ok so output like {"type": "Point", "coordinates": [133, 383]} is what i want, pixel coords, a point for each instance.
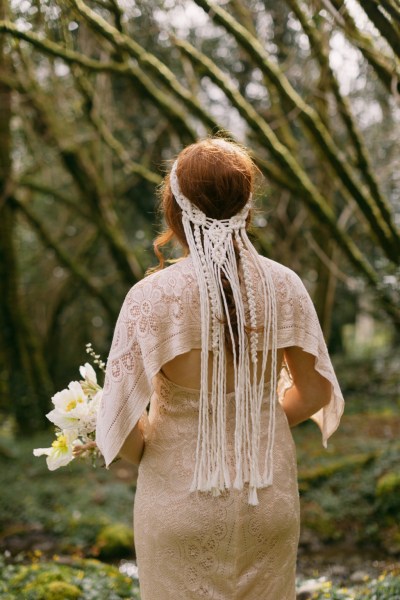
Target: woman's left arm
{"type": "Point", "coordinates": [133, 447]}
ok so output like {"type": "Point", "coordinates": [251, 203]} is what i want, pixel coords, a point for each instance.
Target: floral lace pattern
{"type": "Point", "coordinates": [160, 319]}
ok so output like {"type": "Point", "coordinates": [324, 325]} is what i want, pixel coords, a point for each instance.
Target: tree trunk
{"type": "Point", "coordinates": [25, 385]}
{"type": "Point", "coordinates": [326, 281]}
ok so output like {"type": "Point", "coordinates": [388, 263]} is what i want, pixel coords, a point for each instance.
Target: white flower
{"type": "Point", "coordinates": [88, 373]}
{"type": "Point", "coordinates": [75, 414]}
{"type": "Point", "coordinates": [60, 452]}
{"type": "Point", "coordinates": [87, 423]}
{"type": "Point", "coordinates": [95, 402]}
{"type": "Point", "coordinates": [71, 405]}
{"type": "Point", "coordinates": [89, 383]}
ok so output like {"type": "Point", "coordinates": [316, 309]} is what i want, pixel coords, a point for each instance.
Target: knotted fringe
{"type": "Point", "coordinates": [212, 250]}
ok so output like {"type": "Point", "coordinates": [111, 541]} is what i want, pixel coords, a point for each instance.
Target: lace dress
{"type": "Point", "coordinates": [192, 545]}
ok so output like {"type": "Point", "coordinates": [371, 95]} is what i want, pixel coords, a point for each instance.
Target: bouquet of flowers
{"type": "Point", "coordinates": [74, 415]}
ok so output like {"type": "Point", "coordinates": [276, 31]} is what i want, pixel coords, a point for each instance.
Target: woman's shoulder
{"type": "Point", "coordinates": [176, 275]}
{"type": "Point", "coordinates": [294, 300]}
{"type": "Point", "coordinates": [281, 272]}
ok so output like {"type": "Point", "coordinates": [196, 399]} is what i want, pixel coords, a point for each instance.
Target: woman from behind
{"type": "Point", "coordinates": [227, 345]}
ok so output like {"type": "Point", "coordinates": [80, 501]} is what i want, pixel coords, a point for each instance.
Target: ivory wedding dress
{"type": "Point", "coordinates": [194, 545]}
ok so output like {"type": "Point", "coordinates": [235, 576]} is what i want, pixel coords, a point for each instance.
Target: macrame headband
{"type": "Point", "coordinates": [211, 246]}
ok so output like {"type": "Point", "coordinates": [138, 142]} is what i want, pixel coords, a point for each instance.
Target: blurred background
{"type": "Point", "coordinates": [96, 98]}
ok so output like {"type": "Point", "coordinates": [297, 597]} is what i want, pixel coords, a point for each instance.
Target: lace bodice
{"type": "Point", "coordinates": [160, 319]}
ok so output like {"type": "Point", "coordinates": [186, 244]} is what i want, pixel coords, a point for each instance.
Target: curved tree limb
{"type": "Point", "coordinates": [65, 295]}
{"type": "Point", "coordinates": [278, 118]}
{"type": "Point", "coordinates": [261, 128]}
{"type": "Point", "coordinates": [69, 263]}
{"type": "Point", "coordinates": [355, 135]}
{"type": "Point", "coordinates": [129, 70]}
{"type": "Point", "coordinates": [146, 60]}
{"type": "Point", "coordinates": [130, 166]}
{"type": "Point", "coordinates": [86, 178]}
{"type": "Point", "coordinates": [311, 120]}
{"type": "Point", "coordinates": [386, 69]}
{"type": "Point", "coordinates": [314, 200]}
{"type": "Point", "coordinates": [48, 191]}
{"type": "Point", "coordinates": [159, 99]}
{"type": "Point", "coordinates": [385, 27]}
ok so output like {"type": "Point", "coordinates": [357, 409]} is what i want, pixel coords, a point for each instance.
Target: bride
{"type": "Point", "coordinates": [225, 348]}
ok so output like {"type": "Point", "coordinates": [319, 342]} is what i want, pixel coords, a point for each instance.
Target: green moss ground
{"type": "Point", "coordinates": [350, 502]}
{"type": "Point", "coordinates": [80, 579]}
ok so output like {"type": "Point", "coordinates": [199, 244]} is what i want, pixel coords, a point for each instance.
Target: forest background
{"type": "Point", "coordinates": [96, 98]}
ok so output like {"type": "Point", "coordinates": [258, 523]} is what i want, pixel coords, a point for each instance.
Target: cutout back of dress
{"type": "Point", "coordinates": [185, 370]}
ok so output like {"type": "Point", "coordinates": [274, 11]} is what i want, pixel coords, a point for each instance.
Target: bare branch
{"type": "Point", "coordinates": [146, 60]}
{"type": "Point", "coordinates": [130, 166]}
{"type": "Point", "coordinates": [309, 117]}
{"type": "Point", "coordinates": [141, 80]}
{"type": "Point", "coordinates": [65, 259]}
{"type": "Point", "coordinates": [386, 68]}
{"type": "Point", "coordinates": [49, 191]}
{"type": "Point", "coordinates": [363, 159]}
{"type": "Point", "coordinates": [392, 8]}
{"type": "Point", "coordinates": [385, 27]}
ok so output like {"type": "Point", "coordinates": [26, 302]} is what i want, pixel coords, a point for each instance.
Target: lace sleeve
{"type": "Point", "coordinates": [159, 319]}
{"type": "Point", "coordinates": [127, 389]}
{"type": "Point", "coordinates": [299, 326]}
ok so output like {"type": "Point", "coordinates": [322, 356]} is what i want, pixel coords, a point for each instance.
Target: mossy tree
{"type": "Point", "coordinates": [102, 97]}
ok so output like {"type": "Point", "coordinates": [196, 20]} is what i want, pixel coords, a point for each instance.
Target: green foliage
{"type": "Point", "coordinates": [388, 484]}
{"type": "Point", "coordinates": [351, 491]}
{"type": "Point", "coordinates": [115, 540]}
{"type": "Point", "coordinates": [370, 384]}
{"type": "Point", "coordinates": [79, 580]}
{"type": "Point", "coordinates": [385, 587]}
{"type": "Point", "coordinates": [70, 506]}
{"type": "Point", "coordinates": [361, 503]}
{"type": "Point", "coordinates": [388, 503]}
{"type": "Point", "coordinates": [320, 473]}
{"type": "Point", "coordinates": [51, 591]}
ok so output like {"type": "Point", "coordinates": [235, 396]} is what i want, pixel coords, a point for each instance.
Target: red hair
{"type": "Point", "coordinates": [217, 179]}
